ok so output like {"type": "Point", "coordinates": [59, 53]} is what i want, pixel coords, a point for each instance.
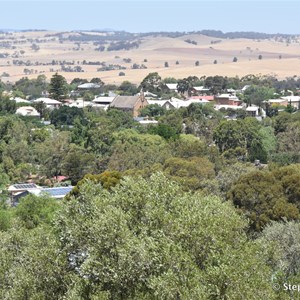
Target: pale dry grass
{"type": "Point", "coordinates": [157, 51]}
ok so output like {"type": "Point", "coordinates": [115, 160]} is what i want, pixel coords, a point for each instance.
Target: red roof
{"type": "Point", "coordinates": [208, 98]}
{"type": "Point", "coordinates": [60, 178]}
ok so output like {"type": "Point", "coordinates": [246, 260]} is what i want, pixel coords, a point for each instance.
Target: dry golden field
{"type": "Point", "coordinates": [279, 58]}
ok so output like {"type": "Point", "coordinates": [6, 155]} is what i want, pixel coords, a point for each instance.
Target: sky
{"type": "Point", "coordinates": [145, 16]}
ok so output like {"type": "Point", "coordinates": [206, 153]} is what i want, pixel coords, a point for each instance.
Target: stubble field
{"type": "Point", "coordinates": [279, 57]}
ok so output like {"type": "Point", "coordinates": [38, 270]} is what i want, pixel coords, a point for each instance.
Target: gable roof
{"type": "Point", "coordinates": [47, 101]}
{"type": "Point", "coordinates": [125, 101]}
{"type": "Point", "coordinates": [89, 85]}
{"type": "Point", "coordinates": [292, 98]}
{"type": "Point", "coordinates": [27, 111]}
{"type": "Point", "coordinates": [103, 99]}
{"type": "Point", "coordinates": [158, 102]}
{"type": "Point", "coordinates": [22, 186]}
{"type": "Point", "coordinates": [171, 86]}
{"type": "Point", "coordinates": [57, 192]}
{"type": "Point", "coordinates": [201, 89]}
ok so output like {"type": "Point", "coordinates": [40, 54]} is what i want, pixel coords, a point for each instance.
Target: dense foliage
{"type": "Point", "coordinates": [194, 207]}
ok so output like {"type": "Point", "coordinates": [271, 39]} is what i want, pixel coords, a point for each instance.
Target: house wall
{"type": "Point", "coordinates": [226, 101]}
{"type": "Point", "coordinates": [283, 103]}
{"type": "Point", "coordinates": [168, 106]}
{"type": "Point", "coordinates": [295, 104]}
{"type": "Point", "coordinates": [139, 105]}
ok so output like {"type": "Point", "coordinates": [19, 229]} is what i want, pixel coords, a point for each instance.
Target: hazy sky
{"type": "Point", "coordinates": [142, 16]}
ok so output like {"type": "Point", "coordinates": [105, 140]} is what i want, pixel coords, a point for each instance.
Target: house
{"type": "Point", "coordinates": [28, 111]}
{"type": "Point", "coordinates": [178, 103]}
{"type": "Point", "coordinates": [145, 121]}
{"type": "Point", "coordinates": [231, 91]}
{"type": "Point", "coordinates": [158, 102]}
{"type": "Point", "coordinates": [50, 103]}
{"type": "Point", "coordinates": [227, 99]}
{"type": "Point", "coordinates": [18, 191]}
{"type": "Point", "coordinates": [149, 95]}
{"type": "Point", "coordinates": [130, 104]}
{"type": "Point", "coordinates": [57, 192]}
{"type": "Point", "coordinates": [255, 111]}
{"type": "Point", "coordinates": [224, 106]}
{"type": "Point", "coordinates": [277, 102]}
{"type": "Point", "coordinates": [252, 111]}
{"type": "Point", "coordinates": [172, 86]}
{"type": "Point", "coordinates": [203, 97]}
{"type": "Point", "coordinates": [285, 101]}
{"type": "Point", "coordinates": [245, 88]}
{"type": "Point", "coordinates": [19, 100]}
{"type": "Point", "coordinates": [199, 90]}
{"type": "Point", "coordinates": [80, 103]}
{"type": "Point", "coordinates": [103, 102]}
{"type": "Point", "coordinates": [293, 101]}
{"type": "Point", "coordinates": [89, 85]}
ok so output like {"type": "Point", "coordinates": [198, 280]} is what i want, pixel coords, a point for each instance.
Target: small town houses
{"type": "Point", "coordinates": [226, 101]}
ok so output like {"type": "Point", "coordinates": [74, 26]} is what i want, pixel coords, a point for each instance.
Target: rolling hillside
{"type": "Point", "coordinates": [74, 54]}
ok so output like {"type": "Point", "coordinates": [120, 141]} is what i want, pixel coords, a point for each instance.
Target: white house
{"type": "Point", "coordinates": [293, 100]}
{"type": "Point", "coordinates": [178, 103]}
{"type": "Point", "coordinates": [255, 111]}
{"type": "Point", "coordinates": [20, 190]}
{"type": "Point", "coordinates": [19, 100]}
{"type": "Point", "coordinates": [28, 111]}
{"type": "Point", "coordinates": [80, 103]}
{"type": "Point", "coordinates": [103, 102]}
{"type": "Point", "coordinates": [172, 86]}
{"type": "Point", "coordinates": [158, 102]}
{"type": "Point", "coordinates": [89, 85]}
{"type": "Point", "coordinates": [201, 89]}
{"type": "Point", "coordinates": [50, 103]}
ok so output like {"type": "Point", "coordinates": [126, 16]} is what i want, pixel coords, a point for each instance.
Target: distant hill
{"type": "Point", "coordinates": [117, 56]}
{"type": "Point", "coordinates": [244, 34]}
{"type": "Point", "coordinates": [174, 34]}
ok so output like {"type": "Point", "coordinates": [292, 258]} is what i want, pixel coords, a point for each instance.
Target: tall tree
{"type": "Point", "coordinates": [58, 87]}
{"type": "Point", "coordinates": [147, 239]}
{"type": "Point", "coordinates": [152, 83]}
{"type": "Point", "coordinates": [257, 94]}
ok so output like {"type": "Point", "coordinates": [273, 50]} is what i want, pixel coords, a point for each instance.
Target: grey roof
{"type": "Point", "coordinates": [21, 186]}
{"type": "Point", "coordinates": [124, 101]}
{"type": "Point", "coordinates": [89, 85]}
{"type": "Point", "coordinates": [58, 191]}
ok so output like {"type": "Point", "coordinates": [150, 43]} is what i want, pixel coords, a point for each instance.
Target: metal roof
{"type": "Point", "coordinates": [89, 85]}
{"type": "Point", "coordinates": [171, 86]}
{"type": "Point", "coordinates": [124, 101]}
{"type": "Point", "coordinates": [58, 191]}
{"type": "Point", "coordinates": [25, 186]}
{"type": "Point", "coordinates": [47, 101]}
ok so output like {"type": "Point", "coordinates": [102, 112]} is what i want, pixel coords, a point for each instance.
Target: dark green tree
{"type": "Point", "coordinates": [164, 130]}
{"type": "Point", "coordinates": [258, 94]}
{"type": "Point", "coordinates": [66, 115]}
{"type": "Point", "coordinates": [260, 196]}
{"type": "Point", "coordinates": [128, 88]}
{"type": "Point", "coordinates": [78, 163]}
{"type": "Point", "coordinates": [153, 83]}
{"type": "Point", "coordinates": [58, 87]}
{"type": "Point", "coordinates": [152, 110]}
